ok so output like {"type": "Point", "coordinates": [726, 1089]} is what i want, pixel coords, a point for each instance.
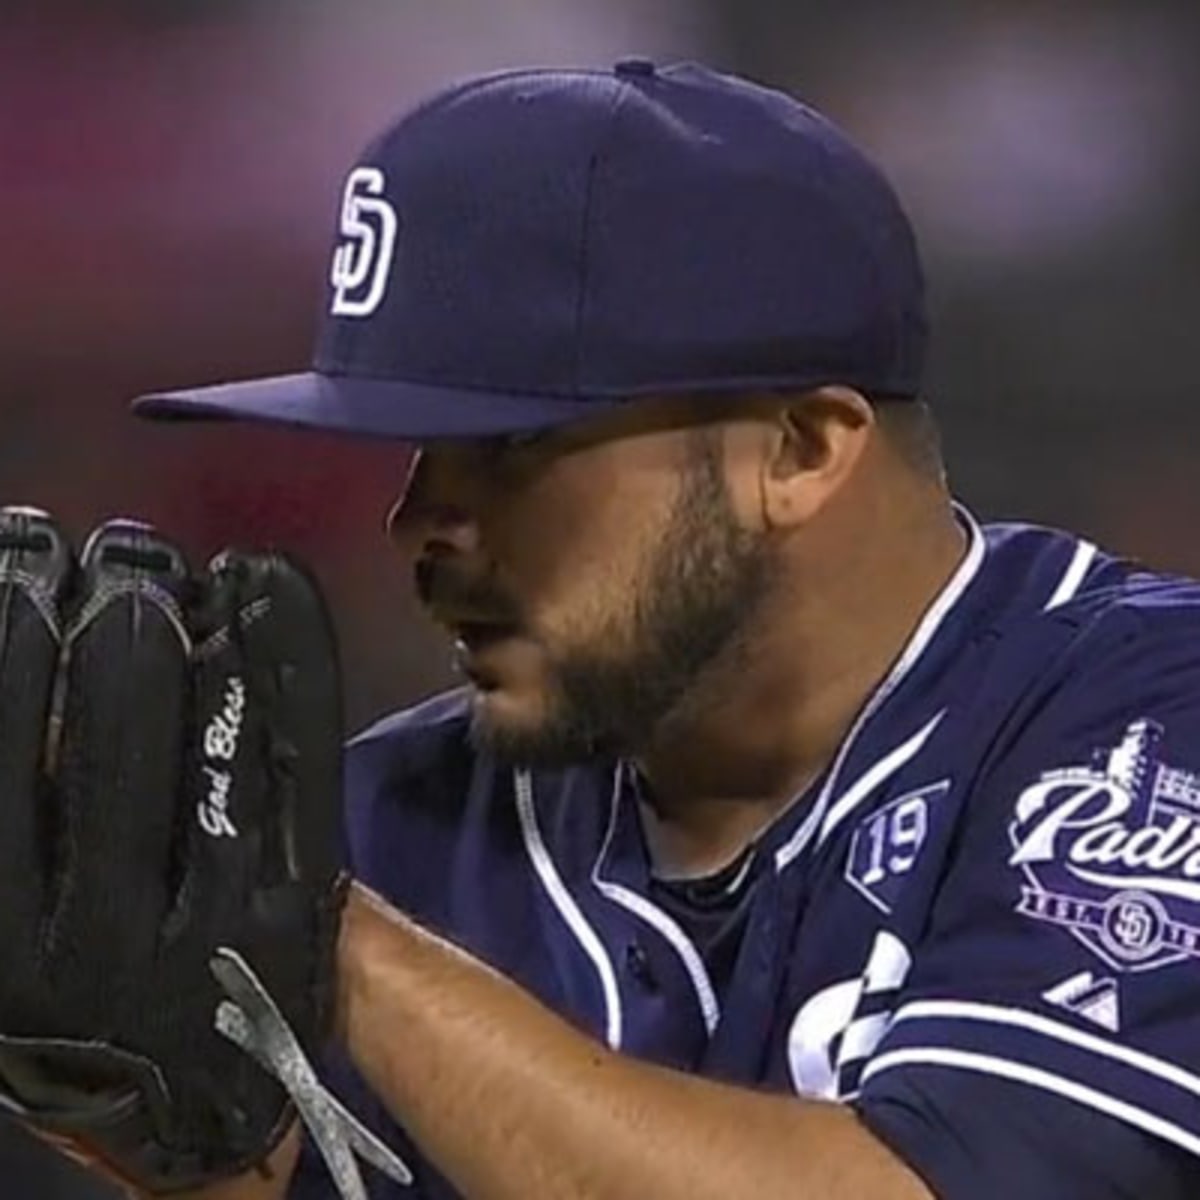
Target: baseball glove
{"type": "Point", "coordinates": [171, 870]}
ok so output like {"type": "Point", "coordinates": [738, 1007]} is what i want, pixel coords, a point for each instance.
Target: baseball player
{"type": "Point", "coordinates": [793, 834]}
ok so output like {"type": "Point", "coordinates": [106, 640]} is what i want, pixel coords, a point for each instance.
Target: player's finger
{"type": "Point", "coordinates": [35, 571]}
{"type": "Point", "coordinates": [121, 757]}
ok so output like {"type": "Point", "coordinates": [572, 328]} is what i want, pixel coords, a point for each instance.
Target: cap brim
{"type": "Point", "coordinates": [370, 407]}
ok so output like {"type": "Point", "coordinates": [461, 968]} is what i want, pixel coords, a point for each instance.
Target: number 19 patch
{"type": "Point", "coordinates": [886, 845]}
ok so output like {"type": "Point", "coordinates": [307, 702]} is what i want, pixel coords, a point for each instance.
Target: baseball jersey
{"type": "Point", "coordinates": [980, 926]}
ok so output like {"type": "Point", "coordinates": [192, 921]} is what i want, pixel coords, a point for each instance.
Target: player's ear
{"type": "Point", "coordinates": [815, 442]}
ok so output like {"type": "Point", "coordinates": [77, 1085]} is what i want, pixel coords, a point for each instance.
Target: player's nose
{"type": "Point", "coordinates": [436, 505]}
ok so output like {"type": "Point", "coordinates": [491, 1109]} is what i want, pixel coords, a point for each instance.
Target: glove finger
{"type": "Point", "coordinates": [295, 661]}
{"type": "Point", "coordinates": [36, 565]}
{"type": "Point", "coordinates": [269, 727]}
{"type": "Point", "coordinates": [119, 767]}
{"type": "Point", "coordinates": [227, 779]}
{"type": "Point", "coordinates": [263, 816]}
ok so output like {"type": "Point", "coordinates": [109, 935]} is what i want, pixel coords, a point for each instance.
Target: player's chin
{"type": "Point", "coordinates": [517, 729]}
{"type": "Point", "coordinates": [516, 715]}
{"type": "Point", "coordinates": [505, 728]}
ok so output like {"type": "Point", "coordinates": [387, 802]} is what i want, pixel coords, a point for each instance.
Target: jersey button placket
{"type": "Point", "coordinates": [637, 965]}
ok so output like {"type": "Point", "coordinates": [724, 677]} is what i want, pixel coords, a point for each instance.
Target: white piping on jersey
{"type": "Point", "coordinates": [1002, 1015]}
{"type": "Point", "coordinates": [876, 773]}
{"type": "Point", "coordinates": [663, 922]}
{"type": "Point", "coordinates": [735, 884]}
{"type": "Point", "coordinates": [916, 646]}
{"type": "Point", "coordinates": [987, 1064]}
{"type": "Point", "coordinates": [584, 934]}
{"type": "Point", "coordinates": [1073, 576]}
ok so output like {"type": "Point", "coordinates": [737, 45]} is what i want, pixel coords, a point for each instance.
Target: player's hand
{"type": "Point", "coordinates": [170, 772]}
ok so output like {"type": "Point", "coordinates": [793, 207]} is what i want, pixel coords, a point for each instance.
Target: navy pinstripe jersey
{"type": "Point", "coordinates": [980, 925]}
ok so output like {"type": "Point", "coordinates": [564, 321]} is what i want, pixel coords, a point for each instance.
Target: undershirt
{"type": "Point", "coordinates": [712, 910]}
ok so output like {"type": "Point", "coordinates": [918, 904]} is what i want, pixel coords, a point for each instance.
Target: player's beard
{"type": "Point", "coordinates": [701, 585]}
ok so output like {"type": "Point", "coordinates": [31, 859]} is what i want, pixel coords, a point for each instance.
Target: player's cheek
{"type": "Point", "coordinates": [572, 573]}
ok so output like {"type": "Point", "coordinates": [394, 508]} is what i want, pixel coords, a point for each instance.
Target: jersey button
{"type": "Point", "coordinates": [637, 963]}
{"type": "Point", "coordinates": [643, 68]}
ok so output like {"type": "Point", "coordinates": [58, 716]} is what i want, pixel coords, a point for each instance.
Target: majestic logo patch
{"type": "Point", "coordinates": [886, 844]}
{"type": "Point", "coordinates": [363, 258]}
{"type": "Point", "coordinates": [1096, 1000]}
{"type": "Point", "coordinates": [1111, 852]}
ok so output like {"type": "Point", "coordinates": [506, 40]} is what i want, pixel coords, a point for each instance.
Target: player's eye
{"type": "Point", "coordinates": [524, 441]}
{"type": "Point", "coordinates": [497, 451]}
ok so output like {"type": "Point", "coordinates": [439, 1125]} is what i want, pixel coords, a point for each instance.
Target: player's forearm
{"type": "Point", "coordinates": [509, 1101]}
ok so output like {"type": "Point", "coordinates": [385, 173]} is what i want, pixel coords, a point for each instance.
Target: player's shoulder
{"type": "Point", "coordinates": [407, 780]}
{"type": "Point", "coordinates": [445, 714]}
{"type": "Point", "coordinates": [1062, 579]}
{"type": "Point", "coordinates": [427, 739]}
{"type": "Point", "coordinates": [1077, 637]}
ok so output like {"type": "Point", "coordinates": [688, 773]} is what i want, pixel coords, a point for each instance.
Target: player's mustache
{"type": "Point", "coordinates": [445, 588]}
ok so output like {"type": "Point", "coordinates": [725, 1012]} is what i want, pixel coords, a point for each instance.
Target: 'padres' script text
{"type": "Point", "coordinates": [1078, 819]}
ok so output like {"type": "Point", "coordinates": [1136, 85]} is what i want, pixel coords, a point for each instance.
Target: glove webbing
{"type": "Point", "coordinates": [252, 1021]}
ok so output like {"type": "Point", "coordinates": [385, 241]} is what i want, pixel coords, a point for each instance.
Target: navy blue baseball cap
{"type": "Point", "coordinates": [535, 247]}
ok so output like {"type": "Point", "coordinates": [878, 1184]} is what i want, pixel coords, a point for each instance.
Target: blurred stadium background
{"type": "Point", "coordinates": [168, 173]}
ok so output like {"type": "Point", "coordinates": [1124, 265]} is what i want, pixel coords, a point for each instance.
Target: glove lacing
{"type": "Point", "coordinates": [252, 1021]}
